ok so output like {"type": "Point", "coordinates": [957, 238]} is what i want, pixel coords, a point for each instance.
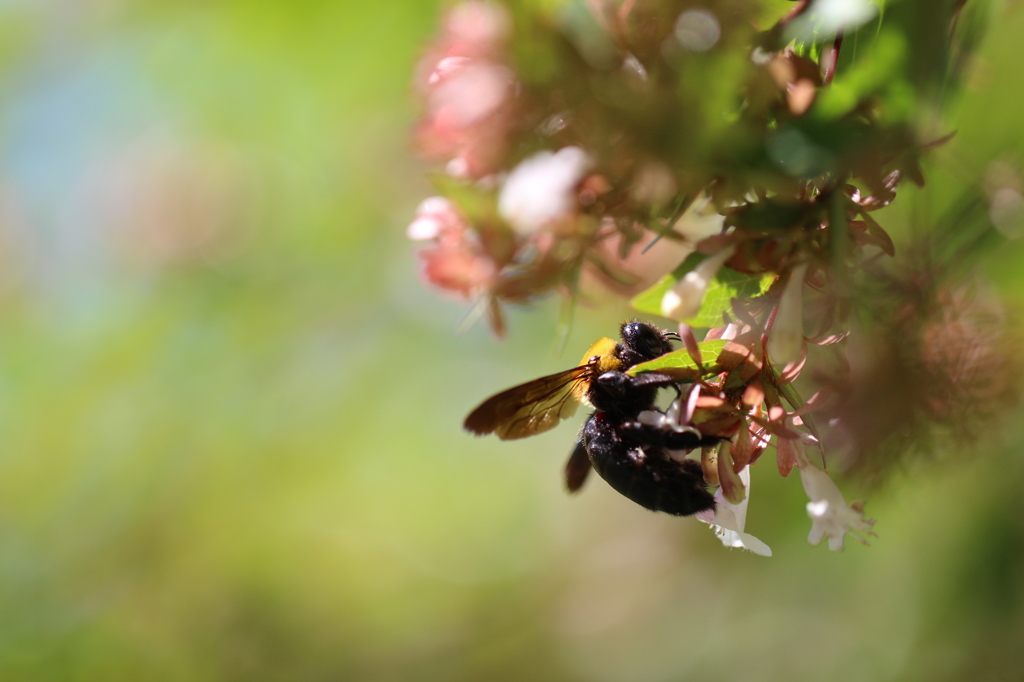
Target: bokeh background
{"type": "Point", "coordinates": [230, 443]}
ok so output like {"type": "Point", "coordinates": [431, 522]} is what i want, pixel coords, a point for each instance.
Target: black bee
{"type": "Point", "coordinates": [634, 458]}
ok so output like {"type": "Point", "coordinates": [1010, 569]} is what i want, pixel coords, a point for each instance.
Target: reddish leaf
{"type": "Point", "coordinates": [744, 448]}
{"type": "Point", "coordinates": [876, 231]}
{"type": "Point", "coordinates": [785, 455]}
{"type": "Point", "coordinates": [793, 369]}
{"type": "Point", "coordinates": [732, 487]}
{"type": "Point", "coordinates": [690, 341]}
{"type": "Point", "coordinates": [829, 340]}
{"type": "Point", "coordinates": [753, 395]}
{"type": "Point", "coordinates": [691, 404]}
{"type": "Point", "coordinates": [734, 355]}
{"type": "Point", "coordinates": [710, 402]}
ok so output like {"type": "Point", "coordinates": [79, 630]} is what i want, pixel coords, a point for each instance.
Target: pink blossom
{"type": "Point", "coordinates": [461, 267]}
{"type": "Point", "coordinates": [435, 216]}
{"type": "Point", "coordinates": [467, 91]}
{"type": "Point", "coordinates": [477, 27]}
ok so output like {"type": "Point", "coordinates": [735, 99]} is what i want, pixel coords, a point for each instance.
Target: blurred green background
{"type": "Point", "coordinates": [230, 443]}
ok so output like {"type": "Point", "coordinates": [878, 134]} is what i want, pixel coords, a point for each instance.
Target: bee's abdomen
{"type": "Point", "coordinates": [646, 475]}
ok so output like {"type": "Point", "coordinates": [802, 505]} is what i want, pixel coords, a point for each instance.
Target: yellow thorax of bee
{"type": "Point", "coordinates": [604, 350]}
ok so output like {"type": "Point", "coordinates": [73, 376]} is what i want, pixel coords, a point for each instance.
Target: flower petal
{"type": "Point", "coordinates": [728, 520]}
{"type": "Point", "coordinates": [830, 515]}
{"type": "Point", "coordinates": [541, 189]}
{"type": "Point", "coordinates": [683, 300]}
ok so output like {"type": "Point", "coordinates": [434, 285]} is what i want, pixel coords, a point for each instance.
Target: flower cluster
{"type": "Point", "coordinates": [747, 144]}
{"type": "Point", "coordinates": [569, 139]}
{"type": "Point", "coordinates": [730, 390]}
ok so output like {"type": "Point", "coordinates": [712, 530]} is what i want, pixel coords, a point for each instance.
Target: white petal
{"type": "Point", "coordinates": [683, 300]}
{"type": "Point", "coordinates": [541, 189]}
{"type": "Point", "coordinates": [732, 538]}
{"type": "Point", "coordinates": [432, 216]}
{"type": "Point", "coordinates": [728, 521]}
{"type": "Point", "coordinates": [830, 515]}
{"type": "Point", "coordinates": [826, 18]}
{"type": "Point", "coordinates": [423, 229]}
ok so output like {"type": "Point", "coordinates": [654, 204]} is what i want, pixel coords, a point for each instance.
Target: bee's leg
{"type": "Point", "coordinates": [652, 379]}
{"type": "Point", "coordinates": [670, 439]}
{"type": "Point", "coordinates": [619, 383]}
{"type": "Point", "coordinates": [635, 433]}
{"type": "Point", "coordinates": [689, 440]}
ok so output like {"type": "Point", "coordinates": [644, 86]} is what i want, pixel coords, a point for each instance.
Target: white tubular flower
{"type": "Point", "coordinates": [682, 301]}
{"type": "Point", "coordinates": [542, 189]}
{"type": "Point", "coordinates": [785, 344]}
{"type": "Point", "coordinates": [728, 521]}
{"type": "Point", "coordinates": [831, 516]}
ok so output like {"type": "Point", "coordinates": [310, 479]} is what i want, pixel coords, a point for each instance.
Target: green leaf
{"type": "Point", "coordinates": [679, 363]}
{"type": "Point", "coordinates": [727, 285]}
{"type": "Point", "coordinates": [649, 300]}
{"type": "Point", "coordinates": [867, 77]}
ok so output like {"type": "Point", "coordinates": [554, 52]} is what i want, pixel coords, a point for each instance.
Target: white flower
{"type": "Point", "coordinates": [830, 17]}
{"type": "Point", "coordinates": [831, 516]}
{"type": "Point", "coordinates": [728, 521]}
{"type": "Point", "coordinates": [786, 342]}
{"type": "Point", "coordinates": [542, 189]}
{"type": "Point", "coordinates": [700, 221]}
{"type": "Point", "coordinates": [683, 300]}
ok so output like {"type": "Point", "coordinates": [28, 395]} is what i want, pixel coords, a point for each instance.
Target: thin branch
{"type": "Point", "coordinates": [799, 8]}
{"type": "Point", "coordinates": [956, 15]}
{"type": "Point", "coordinates": [833, 59]}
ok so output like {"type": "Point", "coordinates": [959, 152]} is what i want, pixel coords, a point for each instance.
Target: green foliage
{"type": "Point", "coordinates": [682, 365]}
{"type": "Point", "coordinates": [726, 286]}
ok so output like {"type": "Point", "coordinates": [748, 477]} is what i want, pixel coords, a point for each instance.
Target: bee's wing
{"type": "Point", "coordinates": [577, 468]}
{"type": "Point", "coordinates": [531, 408]}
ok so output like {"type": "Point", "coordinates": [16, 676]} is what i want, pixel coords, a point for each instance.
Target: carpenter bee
{"type": "Point", "coordinates": [636, 459]}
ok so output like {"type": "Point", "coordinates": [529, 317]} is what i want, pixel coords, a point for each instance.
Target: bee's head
{"type": "Point", "coordinates": [642, 342]}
